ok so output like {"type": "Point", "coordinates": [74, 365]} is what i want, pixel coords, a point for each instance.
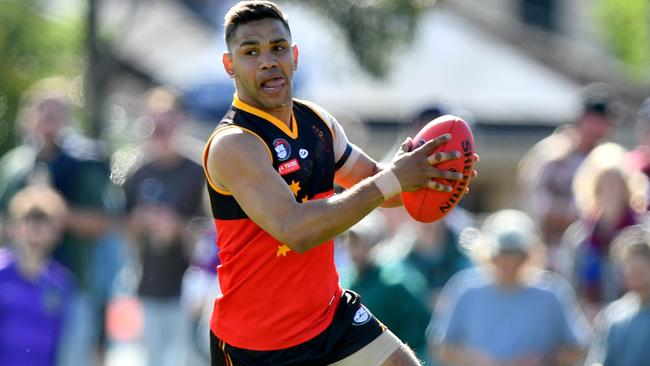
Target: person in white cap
{"type": "Point", "coordinates": [508, 311]}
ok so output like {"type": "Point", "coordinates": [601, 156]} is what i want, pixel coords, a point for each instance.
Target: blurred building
{"type": "Point", "coordinates": [514, 68]}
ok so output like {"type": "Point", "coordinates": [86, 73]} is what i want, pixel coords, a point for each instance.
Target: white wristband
{"type": "Point", "coordinates": [387, 183]}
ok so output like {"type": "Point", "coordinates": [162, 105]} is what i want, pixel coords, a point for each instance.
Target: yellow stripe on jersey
{"type": "Point", "coordinates": [291, 131]}
{"type": "Point", "coordinates": [314, 108]}
{"type": "Point", "coordinates": [207, 148]}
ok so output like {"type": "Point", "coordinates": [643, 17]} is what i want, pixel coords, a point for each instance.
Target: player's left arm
{"type": "Point", "coordinates": [352, 164]}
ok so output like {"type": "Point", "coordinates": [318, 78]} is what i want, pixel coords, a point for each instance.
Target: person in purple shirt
{"type": "Point", "coordinates": [36, 290]}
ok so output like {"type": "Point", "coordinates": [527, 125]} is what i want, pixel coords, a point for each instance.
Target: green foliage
{"type": "Point", "coordinates": [374, 28]}
{"type": "Point", "coordinates": [626, 26]}
{"type": "Point", "coordinates": [31, 47]}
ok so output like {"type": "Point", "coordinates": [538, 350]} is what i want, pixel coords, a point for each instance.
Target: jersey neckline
{"type": "Point", "coordinates": [291, 131]}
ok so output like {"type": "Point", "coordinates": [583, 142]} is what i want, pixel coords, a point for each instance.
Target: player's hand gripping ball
{"type": "Point", "coordinates": [427, 205]}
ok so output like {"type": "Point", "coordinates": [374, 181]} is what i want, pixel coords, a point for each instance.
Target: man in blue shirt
{"type": "Point", "coordinates": [507, 312]}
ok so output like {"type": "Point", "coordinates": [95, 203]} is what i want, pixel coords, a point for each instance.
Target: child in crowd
{"type": "Point", "coordinates": [36, 290]}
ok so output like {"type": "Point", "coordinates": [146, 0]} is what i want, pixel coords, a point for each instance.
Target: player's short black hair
{"type": "Point", "coordinates": [249, 11]}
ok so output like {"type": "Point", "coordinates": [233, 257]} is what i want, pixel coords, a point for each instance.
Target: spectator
{"type": "Point", "coordinates": [547, 170]}
{"type": "Point", "coordinates": [53, 154]}
{"type": "Point", "coordinates": [623, 328]}
{"type": "Point", "coordinates": [414, 125]}
{"type": "Point", "coordinates": [508, 311]}
{"type": "Point", "coordinates": [36, 290]}
{"type": "Point", "coordinates": [639, 158]}
{"type": "Point", "coordinates": [163, 194]}
{"type": "Point", "coordinates": [392, 292]}
{"type": "Point", "coordinates": [199, 289]}
{"type": "Point", "coordinates": [433, 251]}
{"type": "Point", "coordinates": [609, 199]}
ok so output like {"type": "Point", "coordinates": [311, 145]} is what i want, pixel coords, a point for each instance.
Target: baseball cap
{"type": "Point", "coordinates": [599, 98]}
{"type": "Point", "coordinates": [509, 230]}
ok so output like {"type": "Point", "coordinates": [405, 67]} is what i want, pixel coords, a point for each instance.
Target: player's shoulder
{"type": "Point", "coordinates": [231, 127]}
{"type": "Point", "coordinates": [326, 116]}
{"type": "Point", "coordinates": [231, 142]}
{"type": "Point", "coordinates": [231, 135]}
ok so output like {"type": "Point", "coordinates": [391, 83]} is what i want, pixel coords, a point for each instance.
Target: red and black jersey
{"type": "Point", "coordinates": [272, 297]}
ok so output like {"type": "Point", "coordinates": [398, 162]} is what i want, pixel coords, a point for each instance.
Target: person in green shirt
{"type": "Point", "coordinates": [384, 287]}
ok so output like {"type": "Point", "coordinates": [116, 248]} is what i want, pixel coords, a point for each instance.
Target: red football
{"type": "Point", "coordinates": [427, 205]}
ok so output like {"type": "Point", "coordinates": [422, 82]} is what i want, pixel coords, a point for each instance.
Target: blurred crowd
{"type": "Point", "coordinates": [101, 270]}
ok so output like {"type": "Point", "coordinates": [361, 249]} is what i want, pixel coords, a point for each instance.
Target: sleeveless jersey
{"type": "Point", "coordinates": [273, 298]}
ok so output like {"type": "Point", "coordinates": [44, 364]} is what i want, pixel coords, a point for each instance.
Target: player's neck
{"type": "Point", "coordinates": [282, 113]}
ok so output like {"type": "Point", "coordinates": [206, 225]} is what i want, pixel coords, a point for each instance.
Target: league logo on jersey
{"type": "Point", "coordinates": [282, 149]}
{"type": "Point", "coordinates": [303, 153]}
{"type": "Point", "coordinates": [362, 316]}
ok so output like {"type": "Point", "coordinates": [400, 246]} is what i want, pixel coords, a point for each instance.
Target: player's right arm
{"type": "Point", "coordinates": [240, 163]}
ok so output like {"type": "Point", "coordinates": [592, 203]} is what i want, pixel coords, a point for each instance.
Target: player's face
{"type": "Point", "coordinates": [262, 61]}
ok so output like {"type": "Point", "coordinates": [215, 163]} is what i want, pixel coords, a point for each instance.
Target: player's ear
{"type": "Point", "coordinates": [295, 57]}
{"type": "Point", "coordinates": [226, 59]}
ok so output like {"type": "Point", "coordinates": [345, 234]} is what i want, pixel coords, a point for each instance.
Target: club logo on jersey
{"type": "Point", "coordinates": [282, 149]}
{"type": "Point", "coordinates": [362, 316]}
{"type": "Point", "coordinates": [289, 167]}
{"type": "Point", "coordinates": [303, 153]}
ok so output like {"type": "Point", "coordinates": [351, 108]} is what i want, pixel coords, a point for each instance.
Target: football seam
{"type": "Point", "coordinates": [428, 191]}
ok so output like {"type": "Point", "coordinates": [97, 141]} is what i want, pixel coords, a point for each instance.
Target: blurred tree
{"type": "Point", "coordinates": [374, 28]}
{"type": "Point", "coordinates": [32, 47]}
{"type": "Point", "coordinates": [626, 26]}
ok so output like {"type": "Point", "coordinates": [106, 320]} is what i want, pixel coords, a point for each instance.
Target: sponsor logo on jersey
{"type": "Point", "coordinates": [282, 149]}
{"type": "Point", "coordinates": [303, 153]}
{"type": "Point", "coordinates": [362, 316]}
{"type": "Point", "coordinates": [289, 167]}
